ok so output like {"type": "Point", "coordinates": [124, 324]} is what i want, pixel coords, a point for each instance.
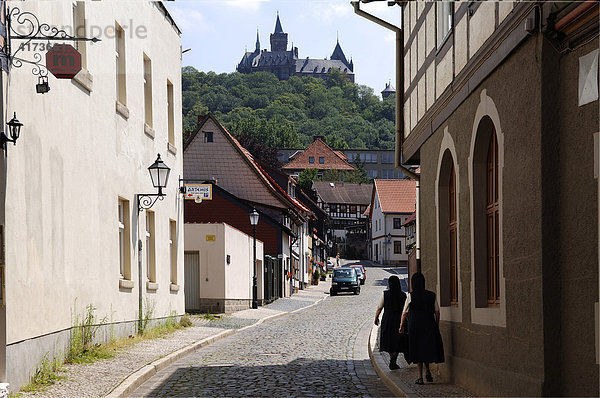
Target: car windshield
{"type": "Point", "coordinates": [358, 269]}
{"type": "Point", "coordinates": [344, 273]}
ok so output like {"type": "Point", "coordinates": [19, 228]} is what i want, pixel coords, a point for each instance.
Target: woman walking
{"type": "Point", "coordinates": [424, 339]}
{"type": "Point", "coordinates": [391, 340]}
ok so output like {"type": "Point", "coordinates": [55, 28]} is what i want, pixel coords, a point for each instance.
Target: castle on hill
{"type": "Point", "coordinates": [285, 63]}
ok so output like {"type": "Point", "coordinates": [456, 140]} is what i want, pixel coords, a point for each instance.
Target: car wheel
{"type": "Point", "coordinates": [357, 291]}
{"type": "Point", "coordinates": [332, 292]}
{"type": "Point", "coordinates": [362, 282]}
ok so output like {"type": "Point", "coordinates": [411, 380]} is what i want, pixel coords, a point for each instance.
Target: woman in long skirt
{"type": "Point", "coordinates": [424, 339]}
{"type": "Point", "coordinates": [390, 338]}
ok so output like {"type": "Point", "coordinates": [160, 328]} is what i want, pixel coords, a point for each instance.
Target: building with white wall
{"type": "Point", "coordinates": [392, 203]}
{"type": "Point", "coordinates": [219, 268]}
{"type": "Point", "coordinates": [68, 210]}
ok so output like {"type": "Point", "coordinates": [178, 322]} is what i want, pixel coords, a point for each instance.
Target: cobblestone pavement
{"type": "Point", "coordinates": [319, 351]}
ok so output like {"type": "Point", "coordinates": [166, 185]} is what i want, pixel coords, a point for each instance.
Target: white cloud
{"type": "Point", "coordinates": [189, 19]}
{"type": "Point", "coordinates": [252, 5]}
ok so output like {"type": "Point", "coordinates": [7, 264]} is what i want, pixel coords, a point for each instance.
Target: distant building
{"type": "Point", "coordinates": [317, 155]}
{"type": "Point", "coordinates": [378, 163]}
{"type": "Point", "coordinates": [345, 203]}
{"type": "Point", "coordinates": [392, 204]}
{"type": "Point", "coordinates": [285, 63]}
{"type": "Point", "coordinates": [388, 90]}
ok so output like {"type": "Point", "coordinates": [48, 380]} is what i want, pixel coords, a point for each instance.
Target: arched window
{"type": "Point", "coordinates": [448, 232]}
{"type": "Point", "coordinates": [486, 216]}
{"type": "Point", "coordinates": [452, 269]}
{"type": "Point", "coordinates": [491, 212]}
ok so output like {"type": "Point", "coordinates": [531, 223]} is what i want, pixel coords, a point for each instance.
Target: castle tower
{"type": "Point", "coordinates": [279, 39]}
{"type": "Point", "coordinates": [338, 54]}
{"type": "Point", "coordinates": [257, 49]}
{"type": "Point", "coordinates": [388, 90]}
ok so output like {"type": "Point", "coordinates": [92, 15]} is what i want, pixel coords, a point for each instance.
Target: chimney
{"type": "Point", "coordinates": [318, 137]}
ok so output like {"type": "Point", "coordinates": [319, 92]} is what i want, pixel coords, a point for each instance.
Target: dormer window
{"type": "Point", "coordinates": [208, 136]}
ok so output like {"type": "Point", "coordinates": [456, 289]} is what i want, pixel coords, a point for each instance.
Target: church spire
{"type": "Point", "coordinates": [338, 54]}
{"type": "Point", "coordinates": [278, 28]}
{"type": "Point", "coordinates": [257, 41]}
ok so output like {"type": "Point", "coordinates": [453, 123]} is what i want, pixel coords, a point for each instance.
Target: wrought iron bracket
{"type": "Point", "coordinates": [147, 200]}
{"type": "Point", "coordinates": [27, 27]}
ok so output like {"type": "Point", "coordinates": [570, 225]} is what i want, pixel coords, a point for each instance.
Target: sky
{"type": "Point", "coordinates": [219, 31]}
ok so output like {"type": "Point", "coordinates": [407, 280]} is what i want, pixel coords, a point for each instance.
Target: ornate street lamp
{"type": "Point", "coordinates": [159, 174]}
{"type": "Point", "coordinates": [253, 221]}
{"type": "Point", "coordinates": [14, 129]}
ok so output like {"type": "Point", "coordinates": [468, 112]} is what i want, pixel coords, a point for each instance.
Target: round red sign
{"type": "Point", "coordinates": [63, 60]}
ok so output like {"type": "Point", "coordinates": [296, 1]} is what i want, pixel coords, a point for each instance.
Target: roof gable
{"type": "Point", "coordinates": [396, 196]}
{"type": "Point", "coordinates": [315, 151]}
{"type": "Point", "coordinates": [232, 166]}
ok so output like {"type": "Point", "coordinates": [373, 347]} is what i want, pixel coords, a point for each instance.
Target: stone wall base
{"type": "Point", "coordinates": [221, 306]}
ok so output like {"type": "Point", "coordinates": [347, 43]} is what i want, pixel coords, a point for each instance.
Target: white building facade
{"type": "Point", "coordinates": [71, 228]}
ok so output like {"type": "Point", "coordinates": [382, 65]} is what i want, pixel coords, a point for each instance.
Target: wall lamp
{"type": "Point", "coordinates": [14, 129]}
{"type": "Point", "coordinates": [159, 174]}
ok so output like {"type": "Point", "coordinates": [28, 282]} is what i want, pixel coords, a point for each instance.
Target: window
{"type": "Point", "coordinates": [493, 262]}
{"type": "Point", "coordinates": [397, 223]}
{"type": "Point", "coordinates": [208, 136]}
{"type": "Point", "coordinates": [150, 248]}
{"type": "Point", "coordinates": [170, 113]}
{"type": "Point", "coordinates": [387, 158]}
{"type": "Point", "coordinates": [371, 173]}
{"type": "Point", "coordinates": [352, 209]}
{"type": "Point", "coordinates": [321, 160]}
{"type": "Point", "coordinates": [311, 159]}
{"type": "Point", "coordinates": [124, 243]}
{"type": "Point", "coordinates": [121, 73]}
{"type": "Point", "coordinates": [444, 11]}
{"type": "Point", "coordinates": [79, 30]}
{"type": "Point", "coordinates": [173, 250]}
{"type": "Point", "coordinates": [447, 231]}
{"type": "Point", "coordinates": [452, 269]}
{"type": "Point", "coordinates": [397, 247]}
{"type": "Point", "coordinates": [147, 91]}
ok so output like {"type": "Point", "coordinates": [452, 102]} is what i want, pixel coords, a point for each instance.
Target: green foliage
{"type": "Point", "coordinates": [83, 333]}
{"type": "Point", "coordinates": [45, 375]}
{"type": "Point", "coordinates": [185, 321]}
{"type": "Point", "coordinates": [286, 114]}
{"type": "Point", "coordinates": [148, 312]}
{"type": "Point", "coordinates": [306, 177]}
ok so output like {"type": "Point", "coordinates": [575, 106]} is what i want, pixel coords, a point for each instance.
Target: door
{"type": "Point", "coordinates": [192, 281]}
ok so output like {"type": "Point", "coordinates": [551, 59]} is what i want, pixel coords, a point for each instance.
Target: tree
{"type": "Point", "coordinates": [306, 178]}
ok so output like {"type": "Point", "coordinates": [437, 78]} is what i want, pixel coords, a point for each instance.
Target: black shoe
{"type": "Point", "coordinates": [429, 378]}
{"type": "Point", "coordinates": [394, 366]}
{"type": "Point", "coordinates": [419, 381]}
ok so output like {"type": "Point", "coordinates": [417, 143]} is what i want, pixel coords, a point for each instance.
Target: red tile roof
{"type": "Point", "coordinates": [318, 148]}
{"type": "Point", "coordinates": [396, 196]}
{"type": "Point", "coordinates": [410, 219]}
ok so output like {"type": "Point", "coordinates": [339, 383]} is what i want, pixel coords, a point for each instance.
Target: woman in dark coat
{"type": "Point", "coordinates": [424, 339]}
{"type": "Point", "coordinates": [392, 303]}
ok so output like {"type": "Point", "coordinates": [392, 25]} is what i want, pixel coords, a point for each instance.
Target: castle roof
{"type": "Point", "coordinates": [278, 28]}
{"type": "Point", "coordinates": [338, 54]}
{"type": "Point", "coordinates": [320, 66]}
{"type": "Point", "coordinates": [389, 88]}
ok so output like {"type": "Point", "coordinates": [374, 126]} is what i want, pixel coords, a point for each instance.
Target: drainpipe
{"type": "Point", "coordinates": [399, 109]}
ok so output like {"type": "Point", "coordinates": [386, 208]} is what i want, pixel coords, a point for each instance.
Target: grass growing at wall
{"type": "Point", "coordinates": [82, 348]}
{"type": "Point", "coordinates": [45, 374]}
{"type": "Point", "coordinates": [81, 343]}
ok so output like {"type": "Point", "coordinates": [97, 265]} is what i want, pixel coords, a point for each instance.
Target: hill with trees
{"type": "Point", "coordinates": [260, 109]}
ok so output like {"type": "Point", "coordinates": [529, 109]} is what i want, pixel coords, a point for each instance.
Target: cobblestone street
{"type": "Point", "coordinates": [319, 351]}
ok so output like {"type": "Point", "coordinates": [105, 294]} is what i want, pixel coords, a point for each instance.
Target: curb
{"type": "Point", "coordinates": [380, 367]}
{"type": "Point", "coordinates": [141, 375]}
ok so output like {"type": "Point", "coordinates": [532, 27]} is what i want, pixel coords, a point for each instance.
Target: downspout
{"type": "Point", "coordinates": [399, 110]}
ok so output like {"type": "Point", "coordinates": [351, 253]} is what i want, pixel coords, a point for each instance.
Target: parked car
{"type": "Point", "coordinates": [330, 265]}
{"type": "Point", "coordinates": [362, 272]}
{"type": "Point", "coordinates": [345, 279]}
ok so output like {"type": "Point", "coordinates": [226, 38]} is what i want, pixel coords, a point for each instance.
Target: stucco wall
{"type": "Point", "coordinates": [76, 156]}
{"type": "Point", "coordinates": [219, 280]}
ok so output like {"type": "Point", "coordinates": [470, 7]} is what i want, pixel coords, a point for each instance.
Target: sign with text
{"type": "Point", "coordinates": [204, 191]}
{"type": "Point", "coordinates": [63, 60]}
